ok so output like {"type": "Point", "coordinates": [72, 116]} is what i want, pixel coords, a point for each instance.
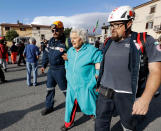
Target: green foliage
{"type": "Point", "coordinates": [11, 34]}
{"type": "Point", "coordinates": [67, 31]}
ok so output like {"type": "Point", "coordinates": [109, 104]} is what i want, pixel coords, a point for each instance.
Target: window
{"type": "Point", "coordinates": [149, 25]}
{"type": "Point", "coordinates": [22, 29]}
{"type": "Point", "coordinates": [152, 10]}
{"type": "Point", "coordinates": [38, 28]}
{"type": "Point", "coordinates": [7, 28]}
{"type": "Point", "coordinates": [42, 36]}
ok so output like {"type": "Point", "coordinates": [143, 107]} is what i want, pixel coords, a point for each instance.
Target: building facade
{"type": "Point", "coordinates": [148, 18]}
{"type": "Point", "coordinates": [39, 32]}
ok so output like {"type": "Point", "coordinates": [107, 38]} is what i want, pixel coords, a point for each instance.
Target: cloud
{"type": "Point", "coordinates": [86, 20]}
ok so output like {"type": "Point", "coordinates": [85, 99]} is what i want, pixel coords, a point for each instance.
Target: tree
{"type": "Point", "coordinates": [67, 31]}
{"type": "Point", "coordinates": [11, 34]}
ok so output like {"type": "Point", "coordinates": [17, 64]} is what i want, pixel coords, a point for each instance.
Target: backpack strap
{"type": "Point", "coordinates": [106, 40]}
{"type": "Point", "coordinates": [141, 40]}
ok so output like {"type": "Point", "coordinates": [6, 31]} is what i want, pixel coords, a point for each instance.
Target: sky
{"type": "Point", "coordinates": [73, 13]}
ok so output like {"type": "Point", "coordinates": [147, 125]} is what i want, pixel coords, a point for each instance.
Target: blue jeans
{"type": "Point", "coordinates": [31, 67]}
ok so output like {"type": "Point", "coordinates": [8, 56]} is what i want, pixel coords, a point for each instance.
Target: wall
{"type": "Point", "coordinates": [143, 16]}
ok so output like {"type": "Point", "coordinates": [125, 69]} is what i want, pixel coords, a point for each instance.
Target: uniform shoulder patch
{"type": "Point", "coordinates": [61, 49]}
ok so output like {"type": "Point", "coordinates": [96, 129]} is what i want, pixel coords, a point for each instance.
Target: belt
{"type": "Point", "coordinates": [107, 92]}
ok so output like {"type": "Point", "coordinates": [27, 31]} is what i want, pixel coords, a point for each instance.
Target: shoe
{"type": "Point", "coordinates": [35, 84]}
{"type": "Point", "coordinates": [4, 81]}
{"type": "Point", "coordinates": [5, 70]}
{"type": "Point", "coordinates": [92, 117]}
{"type": "Point", "coordinates": [46, 111]}
{"type": "Point", "coordinates": [64, 128]}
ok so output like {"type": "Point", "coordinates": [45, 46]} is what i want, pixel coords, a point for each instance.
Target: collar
{"type": "Point", "coordinates": [84, 46]}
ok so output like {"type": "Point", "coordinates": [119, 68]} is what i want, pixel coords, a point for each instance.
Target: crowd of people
{"type": "Point", "coordinates": [120, 78]}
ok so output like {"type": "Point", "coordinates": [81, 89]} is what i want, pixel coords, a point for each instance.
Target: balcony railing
{"type": "Point", "coordinates": [157, 28]}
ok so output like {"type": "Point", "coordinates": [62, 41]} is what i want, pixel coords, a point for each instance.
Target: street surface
{"type": "Point", "coordinates": [20, 107]}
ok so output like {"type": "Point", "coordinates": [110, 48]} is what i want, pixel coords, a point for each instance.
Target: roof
{"type": "Point", "coordinates": [34, 25]}
{"type": "Point", "coordinates": [145, 4]}
{"type": "Point", "coordinates": [14, 25]}
{"type": "Point", "coordinates": [23, 25]}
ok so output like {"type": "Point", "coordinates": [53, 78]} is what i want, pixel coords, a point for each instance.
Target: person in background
{"type": "Point", "coordinates": [2, 76]}
{"type": "Point", "coordinates": [21, 47]}
{"type": "Point", "coordinates": [3, 51]}
{"type": "Point", "coordinates": [43, 45]}
{"type": "Point", "coordinates": [13, 53]}
{"type": "Point", "coordinates": [31, 53]}
{"type": "Point", "coordinates": [7, 54]}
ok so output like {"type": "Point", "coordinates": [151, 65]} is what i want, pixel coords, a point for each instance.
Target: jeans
{"type": "Point", "coordinates": [31, 67]}
{"type": "Point", "coordinates": [3, 63]}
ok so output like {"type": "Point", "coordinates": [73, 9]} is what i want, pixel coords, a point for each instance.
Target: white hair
{"type": "Point", "coordinates": [32, 40]}
{"type": "Point", "coordinates": [82, 33]}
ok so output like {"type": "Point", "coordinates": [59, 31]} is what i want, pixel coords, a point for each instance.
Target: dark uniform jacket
{"type": "Point", "coordinates": [53, 54]}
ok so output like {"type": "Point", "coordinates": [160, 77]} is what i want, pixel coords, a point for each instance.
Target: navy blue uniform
{"type": "Point", "coordinates": [56, 73]}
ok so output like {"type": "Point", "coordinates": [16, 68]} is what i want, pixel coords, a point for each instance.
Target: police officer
{"type": "Point", "coordinates": [56, 73]}
{"type": "Point", "coordinates": [122, 76]}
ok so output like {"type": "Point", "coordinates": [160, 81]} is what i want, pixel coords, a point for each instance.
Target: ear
{"type": "Point", "coordinates": [129, 24]}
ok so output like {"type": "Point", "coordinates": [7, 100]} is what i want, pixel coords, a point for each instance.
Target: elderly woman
{"type": "Point", "coordinates": [82, 68]}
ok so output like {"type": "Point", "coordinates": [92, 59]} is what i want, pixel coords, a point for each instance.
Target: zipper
{"type": "Point", "coordinates": [75, 61]}
{"type": "Point", "coordinates": [137, 79]}
{"type": "Point", "coordinates": [74, 69]}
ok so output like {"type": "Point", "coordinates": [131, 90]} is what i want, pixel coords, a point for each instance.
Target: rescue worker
{"type": "Point", "coordinates": [56, 73]}
{"type": "Point", "coordinates": [124, 73]}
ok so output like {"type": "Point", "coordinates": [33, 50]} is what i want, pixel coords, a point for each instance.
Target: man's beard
{"type": "Point", "coordinates": [116, 38]}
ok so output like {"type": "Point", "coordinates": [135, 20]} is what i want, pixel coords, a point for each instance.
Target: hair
{"type": "Point", "coordinates": [32, 40]}
{"type": "Point", "coordinates": [82, 33]}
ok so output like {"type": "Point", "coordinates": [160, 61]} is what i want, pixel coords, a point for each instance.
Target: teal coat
{"type": "Point", "coordinates": [80, 74]}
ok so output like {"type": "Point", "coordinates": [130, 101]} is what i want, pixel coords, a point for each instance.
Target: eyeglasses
{"type": "Point", "coordinates": [55, 30]}
{"type": "Point", "coordinates": [116, 25]}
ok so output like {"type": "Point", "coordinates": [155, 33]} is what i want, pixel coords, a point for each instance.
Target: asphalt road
{"type": "Point", "coordinates": [20, 107]}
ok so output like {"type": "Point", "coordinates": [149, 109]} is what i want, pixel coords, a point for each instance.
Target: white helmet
{"type": "Point", "coordinates": [121, 13]}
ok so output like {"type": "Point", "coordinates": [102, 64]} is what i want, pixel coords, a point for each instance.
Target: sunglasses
{"type": "Point", "coordinates": [54, 30]}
